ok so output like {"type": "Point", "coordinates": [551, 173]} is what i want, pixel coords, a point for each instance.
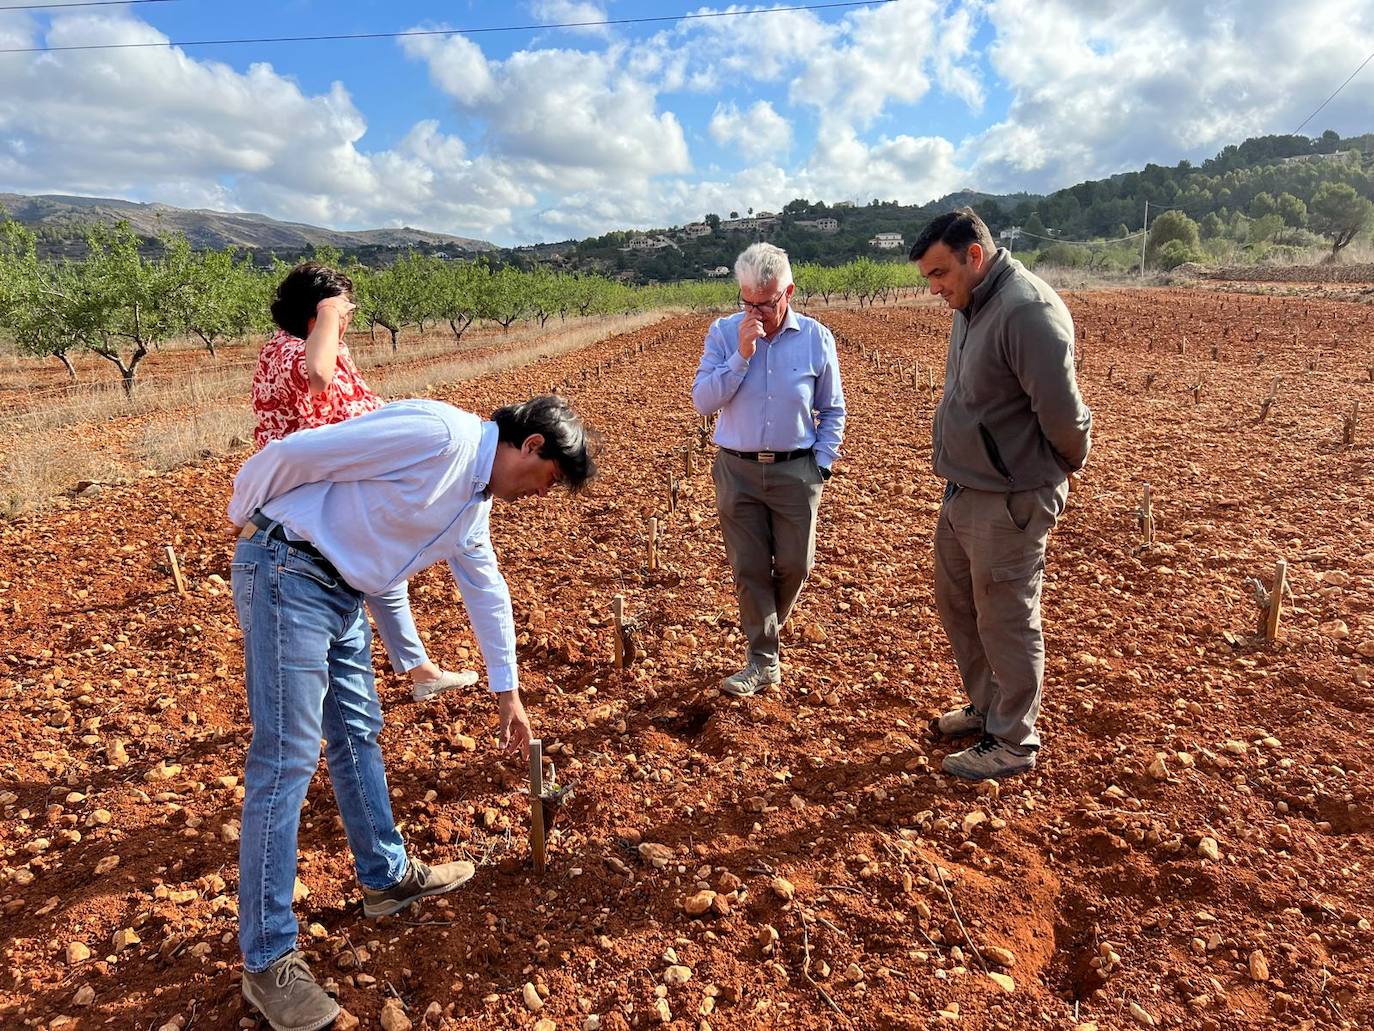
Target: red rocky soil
{"type": "Point", "coordinates": [1194, 850]}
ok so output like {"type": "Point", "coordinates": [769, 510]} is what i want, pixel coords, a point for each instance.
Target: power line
{"type": "Point", "coordinates": [412, 33]}
{"type": "Point", "coordinates": [1082, 242]}
{"type": "Point", "coordinates": [82, 3]}
{"type": "Point", "coordinates": [1333, 96]}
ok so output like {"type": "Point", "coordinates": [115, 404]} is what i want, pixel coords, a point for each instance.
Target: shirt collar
{"type": "Point", "coordinates": [789, 322]}
{"type": "Point", "coordinates": [486, 458]}
{"type": "Point", "coordinates": [1000, 265]}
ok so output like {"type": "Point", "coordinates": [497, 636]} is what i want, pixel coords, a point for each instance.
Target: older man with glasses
{"type": "Point", "coordinates": [774, 377]}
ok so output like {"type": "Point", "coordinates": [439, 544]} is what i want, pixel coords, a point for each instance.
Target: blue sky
{"type": "Point", "coordinates": [551, 133]}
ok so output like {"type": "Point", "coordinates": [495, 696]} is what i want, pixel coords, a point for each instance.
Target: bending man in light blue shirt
{"type": "Point", "coordinates": [774, 377]}
{"type": "Point", "coordinates": [326, 516]}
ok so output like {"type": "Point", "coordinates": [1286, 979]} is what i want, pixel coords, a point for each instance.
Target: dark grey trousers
{"type": "Point", "coordinates": [989, 565]}
{"type": "Point", "coordinates": [768, 519]}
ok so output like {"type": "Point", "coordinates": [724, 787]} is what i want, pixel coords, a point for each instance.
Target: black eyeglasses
{"type": "Point", "coordinates": [761, 305]}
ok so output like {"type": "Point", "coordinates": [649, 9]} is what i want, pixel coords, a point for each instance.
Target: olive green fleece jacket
{"type": "Point", "coordinates": [1011, 418]}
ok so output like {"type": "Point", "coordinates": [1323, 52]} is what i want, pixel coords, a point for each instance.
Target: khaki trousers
{"type": "Point", "coordinates": [989, 565]}
{"type": "Point", "coordinates": [768, 519]}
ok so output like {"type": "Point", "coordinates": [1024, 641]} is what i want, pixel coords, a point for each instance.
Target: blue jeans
{"type": "Point", "coordinates": [308, 664]}
{"type": "Point", "coordinates": [396, 627]}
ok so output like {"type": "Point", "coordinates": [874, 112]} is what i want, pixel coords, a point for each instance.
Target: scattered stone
{"type": "Point", "coordinates": [106, 865]}
{"type": "Point", "coordinates": [1259, 967]}
{"type": "Point", "coordinates": [532, 1000]}
{"type": "Point", "coordinates": [394, 1016]}
{"type": "Point", "coordinates": [700, 903]}
{"type": "Point", "coordinates": [1140, 1016]}
{"type": "Point", "coordinates": [1207, 848]}
{"type": "Point", "coordinates": [665, 1015]}
{"type": "Point", "coordinates": [434, 1013]}
{"type": "Point", "coordinates": [783, 889]}
{"type": "Point", "coordinates": [1002, 957]}
{"type": "Point", "coordinates": [85, 995]}
{"type": "Point", "coordinates": [545, 1025]}
{"type": "Point", "coordinates": [125, 938]}
{"type": "Point", "coordinates": [1157, 768]}
{"type": "Point", "coordinates": [677, 975]}
{"type": "Point", "coordinates": [77, 952]}
{"type": "Point", "coordinates": [972, 820]}
{"type": "Point", "coordinates": [657, 856]}
{"type": "Point", "coordinates": [1003, 981]}
{"type": "Point", "coordinates": [345, 1021]}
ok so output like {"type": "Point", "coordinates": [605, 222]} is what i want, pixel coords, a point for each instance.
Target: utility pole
{"type": "Point", "coordinates": [1144, 235]}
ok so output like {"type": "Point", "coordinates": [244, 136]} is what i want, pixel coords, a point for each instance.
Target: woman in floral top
{"type": "Point", "coordinates": [306, 378]}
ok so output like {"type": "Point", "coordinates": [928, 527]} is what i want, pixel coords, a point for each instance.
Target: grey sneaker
{"type": "Point", "coordinates": [991, 758]}
{"type": "Point", "coordinates": [957, 723]}
{"type": "Point", "coordinates": [445, 681]}
{"type": "Point", "coordinates": [751, 680]}
{"type": "Point", "coordinates": [287, 995]}
{"type": "Point", "coordinates": [420, 882]}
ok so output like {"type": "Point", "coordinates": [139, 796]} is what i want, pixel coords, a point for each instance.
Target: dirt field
{"type": "Point", "coordinates": [1194, 851]}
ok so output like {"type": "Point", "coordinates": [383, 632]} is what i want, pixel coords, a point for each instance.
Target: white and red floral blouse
{"type": "Point", "coordinates": [281, 391]}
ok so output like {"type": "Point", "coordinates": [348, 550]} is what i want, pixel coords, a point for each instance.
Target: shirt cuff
{"type": "Point", "coordinates": [501, 679]}
{"type": "Point", "coordinates": [738, 363]}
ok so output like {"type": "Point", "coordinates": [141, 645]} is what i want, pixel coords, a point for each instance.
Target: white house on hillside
{"type": "Point", "coordinates": [887, 242]}
{"type": "Point", "coordinates": [649, 243]}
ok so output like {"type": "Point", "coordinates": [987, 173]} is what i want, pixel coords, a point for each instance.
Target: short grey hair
{"type": "Point", "coordinates": [763, 265]}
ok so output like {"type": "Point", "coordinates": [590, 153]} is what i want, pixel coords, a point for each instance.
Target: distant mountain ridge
{"type": "Point", "coordinates": [216, 229]}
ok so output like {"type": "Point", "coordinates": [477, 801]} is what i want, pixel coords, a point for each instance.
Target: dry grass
{"type": "Point", "coordinates": [169, 443]}
{"type": "Point", "coordinates": [202, 415]}
{"type": "Point", "coordinates": [33, 471]}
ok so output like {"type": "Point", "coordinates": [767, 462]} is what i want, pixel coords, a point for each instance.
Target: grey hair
{"type": "Point", "coordinates": [763, 265]}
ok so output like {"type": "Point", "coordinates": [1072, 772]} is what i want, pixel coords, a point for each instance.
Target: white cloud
{"type": "Point", "coordinates": [574, 115]}
{"type": "Point", "coordinates": [1098, 91]}
{"type": "Point", "coordinates": [571, 12]}
{"type": "Point", "coordinates": [757, 132]}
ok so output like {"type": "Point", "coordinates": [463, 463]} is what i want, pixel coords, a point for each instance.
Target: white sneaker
{"type": "Point", "coordinates": [991, 758]}
{"type": "Point", "coordinates": [751, 680]}
{"type": "Point", "coordinates": [445, 681]}
{"type": "Point", "coordinates": [957, 722]}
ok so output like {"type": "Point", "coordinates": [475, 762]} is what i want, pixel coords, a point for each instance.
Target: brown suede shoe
{"type": "Point", "coordinates": [287, 995]}
{"type": "Point", "coordinates": [420, 882]}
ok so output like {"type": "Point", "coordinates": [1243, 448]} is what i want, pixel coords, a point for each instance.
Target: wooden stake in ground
{"type": "Point", "coordinates": [176, 570]}
{"type": "Point", "coordinates": [537, 842]}
{"type": "Point", "coordinates": [1350, 423]}
{"type": "Point", "coordinates": [653, 543]}
{"type": "Point", "coordinates": [618, 614]}
{"type": "Point", "coordinates": [689, 456]}
{"type": "Point", "coordinates": [672, 493]}
{"type": "Point", "coordinates": [1146, 517]}
{"type": "Point", "coordinates": [1275, 608]}
{"type": "Point", "coordinates": [1268, 402]}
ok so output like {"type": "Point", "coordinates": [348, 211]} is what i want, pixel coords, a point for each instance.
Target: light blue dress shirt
{"type": "Point", "coordinates": [786, 397]}
{"type": "Point", "coordinates": [387, 494]}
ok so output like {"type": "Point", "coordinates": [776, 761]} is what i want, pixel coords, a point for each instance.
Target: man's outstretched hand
{"type": "Point", "coordinates": [515, 725]}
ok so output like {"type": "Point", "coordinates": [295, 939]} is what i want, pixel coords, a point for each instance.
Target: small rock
{"type": "Point", "coordinates": [345, 1021]}
{"type": "Point", "coordinates": [1003, 981]}
{"type": "Point", "coordinates": [972, 820]}
{"type": "Point", "coordinates": [783, 889]}
{"type": "Point", "coordinates": [665, 1015]}
{"type": "Point", "coordinates": [658, 856]}
{"type": "Point", "coordinates": [592, 1023]}
{"type": "Point", "coordinates": [701, 902]}
{"type": "Point", "coordinates": [299, 892]}
{"type": "Point", "coordinates": [77, 952]}
{"type": "Point", "coordinates": [545, 1025]}
{"type": "Point", "coordinates": [434, 1013]}
{"type": "Point", "coordinates": [532, 999]}
{"type": "Point", "coordinates": [676, 975]}
{"type": "Point", "coordinates": [1207, 848]}
{"type": "Point", "coordinates": [394, 1017]}
{"type": "Point", "coordinates": [106, 865]}
{"type": "Point", "coordinates": [1259, 967]}
{"type": "Point", "coordinates": [125, 938]}
{"type": "Point", "coordinates": [1002, 957]}
{"type": "Point", "coordinates": [85, 995]}
{"type": "Point", "coordinates": [1140, 1016]}
{"type": "Point", "coordinates": [1158, 770]}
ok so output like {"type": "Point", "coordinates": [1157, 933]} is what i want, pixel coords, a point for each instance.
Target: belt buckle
{"type": "Point", "coordinates": [767, 457]}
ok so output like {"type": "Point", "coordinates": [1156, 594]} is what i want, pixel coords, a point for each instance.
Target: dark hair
{"type": "Point", "coordinates": [304, 287]}
{"type": "Point", "coordinates": [956, 230]}
{"type": "Point", "coordinates": [566, 440]}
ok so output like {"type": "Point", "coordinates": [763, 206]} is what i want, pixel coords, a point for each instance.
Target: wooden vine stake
{"type": "Point", "coordinates": [653, 543]}
{"type": "Point", "coordinates": [618, 614]}
{"type": "Point", "coordinates": [672, 493]}
{"type": "Point", "coordinates": [1268, 401]}
{"type": "Point", "coordinates": [176, 570]}
{"type": "Point", "coordinates": [1146, 517]}
{"type": "Point", "coordinates": [1269, 620]}
{"type": "Point", "coordinates": [1350, 423]}
{"type": "Point", "coordinates": [689, 456]}
{"type": "Point", "coordinates": [537, 842]}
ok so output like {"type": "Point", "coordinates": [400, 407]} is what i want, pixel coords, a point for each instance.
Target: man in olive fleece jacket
{"type": "Point", "coordinates": [1010, 429]}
